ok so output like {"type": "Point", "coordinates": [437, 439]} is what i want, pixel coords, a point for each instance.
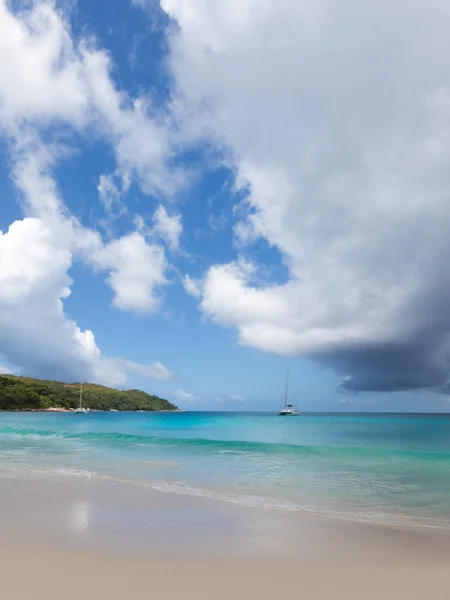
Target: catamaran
{"type": "Point", "coordinates": [289, 410]}
{"type": "Point", "coordinates": [81, 410]}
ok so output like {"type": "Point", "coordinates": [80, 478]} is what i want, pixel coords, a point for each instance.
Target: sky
{"type": "Point", "coordinates": [198, 195]}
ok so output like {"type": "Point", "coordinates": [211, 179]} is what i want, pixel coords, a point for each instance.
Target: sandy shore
{"type": "Point", "coordinates": [30, 573]}
{"type": "Point", "coordinates": [75, 538]}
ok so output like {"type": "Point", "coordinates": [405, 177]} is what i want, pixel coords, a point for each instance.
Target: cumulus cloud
{"type": "Point", "coordinates": [41, 73]}
{"type": "Point", "coordinates": [48, 78]}
{"type": "Point", "coordinates": [336, 118]}
{"type": "Point", "coordinates": [35, 333]}
{"type": "Point", "coordinates": [184, 397]}
{"type": "Point", "coordinates": [192, 286]}
{"type": "Point", "coordinates": [52, 84]}
{"type": "Point", "coordinates": [155, 370]}
{"type": "Point", "coordinates": [136, 269]}
{"type": "Point", "coordinates": [168, 227]}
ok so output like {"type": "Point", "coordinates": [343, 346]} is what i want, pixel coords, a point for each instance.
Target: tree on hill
{"type": "Point", "coordinates": [26, 393]}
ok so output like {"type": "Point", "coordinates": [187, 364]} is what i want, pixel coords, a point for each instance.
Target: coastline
{"type": "Point", "coordinates": [85, 514]}
{"type": "Point", "coordinates": [58, 409]}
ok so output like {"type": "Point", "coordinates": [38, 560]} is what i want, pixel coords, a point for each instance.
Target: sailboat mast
{"type": "Point", "coordinates": [81, 393]}
{"type": "Point", "coordinates": [286, 389]}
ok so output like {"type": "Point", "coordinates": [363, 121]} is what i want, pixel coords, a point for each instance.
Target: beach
{"type": "Point", "coordinates": [93, 539]}
{"type": "Point", "coordinates": [55, 575]}
{"type": "Point", "coordinates": [210, 505]}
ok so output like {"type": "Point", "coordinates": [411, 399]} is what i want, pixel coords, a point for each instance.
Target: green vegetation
{"type": "Point", "coordinates": [24, 393]}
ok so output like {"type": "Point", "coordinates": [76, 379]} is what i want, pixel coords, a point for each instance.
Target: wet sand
{"type": "Point", "coordinates": [84, 539]}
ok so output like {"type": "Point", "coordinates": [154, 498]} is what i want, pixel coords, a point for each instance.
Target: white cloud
{"type": "Point", "coordinates": [155, 370]}
{"type": "Point", "coordinates": [168, 227]}
{"type": "Point", "coordinates": [41, 73]}
{"type": "Point", "coordinates": [39, 39]}
{"type": "Point", "coordinates": [110, 191]}
{"type": "Point", "coordinates": [184, 397]}
{"type": "Point", "coordinates": [232, 397]}
{"type": "Point", "coordinates": [48, 78]}
{"type": "Point", "coordinates": [337, 119]}
{"type": "Point", "coordinates": [136, 268]}
{"type": "Point", "coordinates": [33, 282]}
{"type": "Point", "coordinates": [136, 271]}
{"type": "Point", "coordinates": [5, 370]}
{"type": "Point", "coordinates": [192, 286]}
{"type": "Point", "coordinates": [51, 84]}
{"type": "Point", "coordinates": [35, 333]}
{"type": "Point", "coordinates": [236, 397]}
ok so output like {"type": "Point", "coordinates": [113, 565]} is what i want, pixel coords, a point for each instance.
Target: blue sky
{"type": "Point", "coordinates": [191, 207]}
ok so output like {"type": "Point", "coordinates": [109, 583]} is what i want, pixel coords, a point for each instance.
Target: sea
{"type": "Point", "coordinates": [383, 468]}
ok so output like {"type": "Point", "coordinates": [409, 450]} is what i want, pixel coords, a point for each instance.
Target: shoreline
{"type": "Point", "coordinates": [87, 514]}
{"type": "Point", "coordinates": [81, 539]}
{"type": "Point", "coordinates": [398, 521]}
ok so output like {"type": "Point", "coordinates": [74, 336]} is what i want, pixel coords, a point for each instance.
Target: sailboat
{"type": "Point", "coordinates": [81, 410]}
{"type": "Point", "coordinates": [288, 410]}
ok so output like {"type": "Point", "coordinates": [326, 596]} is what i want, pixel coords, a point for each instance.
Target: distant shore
{"type": "Point", "coordinates": [29, 394]}
{"type": "Point", "coordinates": [71, 410]}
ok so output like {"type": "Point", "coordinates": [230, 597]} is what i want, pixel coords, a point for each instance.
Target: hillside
{"type": "Point", "coordinates": [25, 393]}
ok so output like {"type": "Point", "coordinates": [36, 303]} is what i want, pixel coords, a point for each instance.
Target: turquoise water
{"type": "Point", "coordinates": [383, 468]}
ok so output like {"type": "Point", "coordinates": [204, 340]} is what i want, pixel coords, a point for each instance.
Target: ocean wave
{"type": "Point", "coordinates": [246, 500]}
{"type": "Point", "coordinates": [236, 447]}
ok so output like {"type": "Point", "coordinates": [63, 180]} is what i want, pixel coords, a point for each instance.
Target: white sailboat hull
{"type": "Point", "coordinates": [288, 412]}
